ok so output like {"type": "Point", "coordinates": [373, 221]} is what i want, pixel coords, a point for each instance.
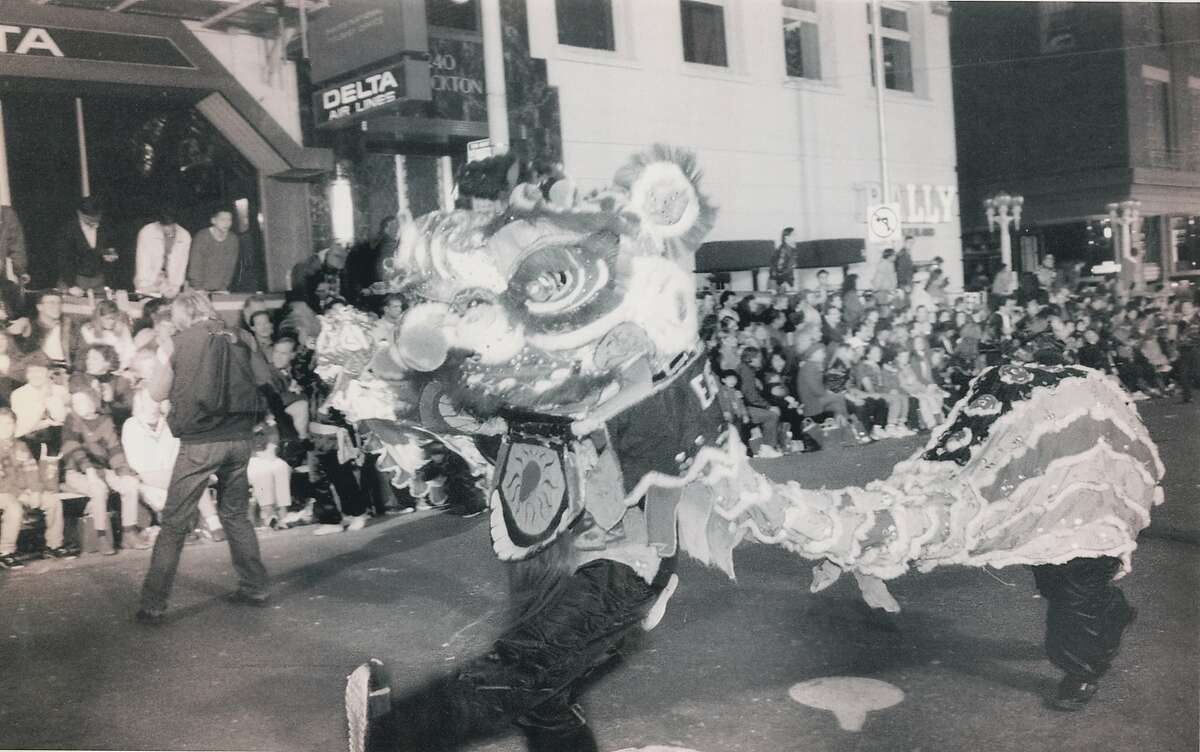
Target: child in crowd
{"type": "Point", "coordinates": [40, 406]}
{"type": "Point", "coordinates": [733, 407]}
{"type": "Point", "coordinates": [270, 477]}
{"type": "Point", "coordinates": [96, 465]}
{"type": "Point", "coordinates": [108, 327]}
{"type": "Point", "coordinates": [928, 396]}
{"type": "Point", "coordinates": [295, 401]}
{"type": "Point", "coordinates": [100, 362]}
{"type": "Point", "coordinates": [150, 450]}
{"type": "Point", "coordinates": [21, 488]}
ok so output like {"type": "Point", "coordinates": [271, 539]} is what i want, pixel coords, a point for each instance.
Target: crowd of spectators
{"type": "Point", "coordinates": [799, 367]}
{"type": "Point", "coordinates": [77, 422]}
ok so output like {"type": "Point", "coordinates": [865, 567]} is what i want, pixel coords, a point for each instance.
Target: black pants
{"type": "Point", "coordinates": [1087, 614]}
{"type": "Point", "coordinates": [1186, 372]}
{"type": "Point", "coordinates": [533, 673]}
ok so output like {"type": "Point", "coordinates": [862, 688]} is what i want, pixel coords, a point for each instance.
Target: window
{"type": "Point", "coordinates": [585, 23]}
{"type": "Point", "coordinates": [703, 33]}
{"type": "Point", "coordinates": [462, 15]}
{"type": "Point", "coordinates": [1057, 23]}
{"type": "Point", "coordinates": [801, 45]}
{"type": "Point", "coordinates": [897, 49]}
{"type": "Point", "coordinates": [1158, 115]}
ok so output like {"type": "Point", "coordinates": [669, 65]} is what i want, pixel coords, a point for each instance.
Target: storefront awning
{"type": "Point", "coordinates": [98, 49]}
{"type": "Point", "coordinates": [740, 255]}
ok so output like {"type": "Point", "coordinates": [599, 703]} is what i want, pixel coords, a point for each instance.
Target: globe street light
{"type": "Point", "coordinates": [1003, 210]}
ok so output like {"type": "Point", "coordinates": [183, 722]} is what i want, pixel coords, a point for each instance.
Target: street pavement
{"type": "Point", "coordinates": [424, 591]}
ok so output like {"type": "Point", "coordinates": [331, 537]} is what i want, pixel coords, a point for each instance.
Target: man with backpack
{"type": "Point", "coordinates": [212, 382]}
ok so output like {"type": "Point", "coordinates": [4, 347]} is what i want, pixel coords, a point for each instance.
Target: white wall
{"type": "Point", "coordinates": [252, 62]}
{"type": "Point", "coordinates": [775, 151]}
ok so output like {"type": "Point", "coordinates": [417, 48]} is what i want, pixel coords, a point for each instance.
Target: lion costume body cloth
{"type": "Point", "coordinates": [572, 333]}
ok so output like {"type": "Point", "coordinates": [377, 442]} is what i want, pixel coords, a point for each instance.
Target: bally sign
{"type": "Point", "coordinates": [85, 44]}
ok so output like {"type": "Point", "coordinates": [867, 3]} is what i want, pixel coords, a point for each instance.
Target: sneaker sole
{"type": "Point", "coordinates": [362, 703]}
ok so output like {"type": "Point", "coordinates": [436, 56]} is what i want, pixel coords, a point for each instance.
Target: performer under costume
{"type": "Point", "coordinates": [572, 334]}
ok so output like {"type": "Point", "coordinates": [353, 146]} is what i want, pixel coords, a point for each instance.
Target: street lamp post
{"type": "Point", "coordinates": [1127, 215]}
{"type": "Point", "coordinates": [1003, 210]}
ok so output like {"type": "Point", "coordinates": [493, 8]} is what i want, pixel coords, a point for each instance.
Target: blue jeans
{"type": "Point", "coordinates": [193, 466]}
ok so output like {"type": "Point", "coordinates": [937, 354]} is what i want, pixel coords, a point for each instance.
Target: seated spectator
{"type": "Point", "coordinates": [150, 450]}
{"type": "Point", "coordinates": [1092, 354]}
{"type": "Point", "coordinates": [49, 332]}
{"type": "Point", "coordinates": [896, 395]}
{"type": "Point", "coordinates": [857, 414]}
{"type": "Point", "coordinates": [263, 329]}
{"type": "Point", "coordinates": [108, 327]}
{"type": "Point", "coordinates": [792, 434]}
{"type": "Point", "coordinates": [153, 344]}
{"type": "Point", "coordinates": [40, 406]}
{"type": "Point", "coordinates": [733, 407]}
{"type": "Point", "coordinates": [99, 373]}
{"type": "Point", "coordinates": [95, 466]}
{"type": "Point", "coordinates": [760, 410]}
{"type": "Point", "coordinates": [23, 489]}
{"type": "Point", "coordinates": [270, 476]}
{"type": "Point", "coordinates": [295, 401]}
{"type": "Point", "coordinates": [868, 379]}
{"type": "Point", "coordinates": [930, 399]}
{"type": "Point", "coordinates": [10, 368]}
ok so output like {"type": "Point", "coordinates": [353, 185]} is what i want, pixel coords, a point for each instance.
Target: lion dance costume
{"type": "Point", "coordinates": [570, 333]}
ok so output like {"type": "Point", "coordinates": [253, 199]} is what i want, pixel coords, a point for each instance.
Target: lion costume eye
{"type": "Point", "coordinates": [556, 280]}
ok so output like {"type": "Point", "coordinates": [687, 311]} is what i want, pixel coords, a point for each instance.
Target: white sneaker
{"type": "Point", "coordinates": [327, 529]}
{"type": "Point", "coordinates": [1139, 396]}
{"type": "Point", "coordinates": [878, 433]}
{"type": "Point", "coordinates": [423, 506]}
{"type": "Point", "coordinates": [768, 452]}
{"type": "Point", "coordinates": [357, 523]}
{"type": "Point", "coordinates": [894, 432]}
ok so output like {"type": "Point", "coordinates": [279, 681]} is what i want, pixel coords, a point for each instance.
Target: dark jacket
{"type": "Point", "coordinates": [190, 347]}
{"type": "Point", "coordinates": [904, 268]}
{"type": "Point", "coordinates": [76, 259]}
{"type": "Point", "coordinates": [93, 444]}
{"type": "Point", "coordinates": [751, 391]}
{"type": "Point", "coordinates": [72, 342]}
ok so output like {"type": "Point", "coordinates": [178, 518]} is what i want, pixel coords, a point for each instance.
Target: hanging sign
{"type": "Point", "coordinates": [347, 101]}
{"type": "Point", "coordinates": [93, 46]}
{"type": "Point", "coordinates": [350, 35]}
{"type": "Point", "coordinates": [477, 150]}
{"type": "Point", "coordinates": [883, 224]}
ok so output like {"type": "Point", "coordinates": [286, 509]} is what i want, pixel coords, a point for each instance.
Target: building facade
{"type": "Point", "coordinates": [1076, 106]}
{"type": "Point", "coordinates": [776, 97]}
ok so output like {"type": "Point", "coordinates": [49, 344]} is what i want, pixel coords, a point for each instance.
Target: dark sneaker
{"type": "Point", "coordinates": [150, 618]}
{"type": "Point", "coordinates": [62, 552]}
{"type": "Point", "coordinates": [1073, 694]}
{"type": "Point", "coordinates": [242, 598]}
{"type": "Point", "coordinates": [10, 561]}
{"type": "Point", "coordinates": [131, 537]}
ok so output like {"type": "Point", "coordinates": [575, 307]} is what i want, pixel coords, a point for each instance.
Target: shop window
{"type": "Point", "coordinates": [801, 39]}
{"type": "Point", "coordinates": [897, 48]}
{"type": "Point", "coordinates": [1057, 24]}
{"type": "Point", "coordinates": [453, 14]}
{"type": "Point", "coordinates": [1185, 237]}
{"type": "Point", "coordinates": [704, 40]}
{"type": "Point", "coordinates": [585, 23]}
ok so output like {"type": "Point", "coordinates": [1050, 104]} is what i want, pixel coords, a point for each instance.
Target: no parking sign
{"type": "Point", "coordinates": [883, 224]}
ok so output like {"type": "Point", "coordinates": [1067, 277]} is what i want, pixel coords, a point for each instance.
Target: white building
{"type": "Point", "coordinates": [783, 139]}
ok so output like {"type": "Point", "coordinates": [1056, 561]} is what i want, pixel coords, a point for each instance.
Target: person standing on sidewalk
{"type": "Point", "coordinates": [214, 420]}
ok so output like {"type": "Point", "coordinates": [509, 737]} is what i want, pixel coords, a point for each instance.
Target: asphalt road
{"type": "Point", "coordinates": [424, 591]}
